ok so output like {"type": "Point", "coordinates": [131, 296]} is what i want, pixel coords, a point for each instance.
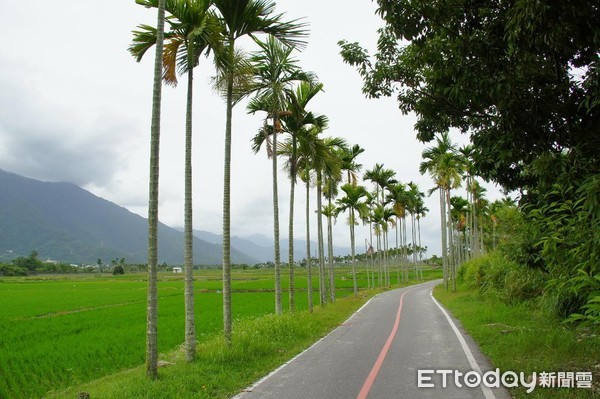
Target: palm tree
{"type": "Point", "coordinates": [329, 212]}
{"type": "Point", "coordinates": [275, 73]}
{"type": "Point", "coordinates": [371, 204]}
{"type": "Point", "coordinates": [327, 167]}
{"type": "Point", "coordinates": [378, 220]}
{"type": "Point", "coordinates": [298, 149]}
{"type": "Point", "coordinates": [414, 195]}
{"type": "Point", "coordinates": [444, 165]}
{"type": "Point", "coordinates": [194, 30]}
{"type": "Point", "coordinates": [460, 211]}
{"type": "Point", "coordinates": [349, 164]}
{"type": "Point", "coordinates": [297, 120]}
{"type": "Point", "coordinates": [473, 243]}
{"type": "Point", "coordinates": [479, 208]}
{"type": "Point", "coordinates": [152, 310]}
{"type": "Point", "coordinates": [382, 178]}
{"type": "Point", "coordinates": [398, 197]}
{"type": "Point", "coordinates": [241, 18]}
{"type": "Point", "coordinates": [355, 202]}
{"type": "Point", "coordinates": [310, 147]}
{"type": "Point", "coordinates": [387, 222]}
{"type": "Point", "coordinates": [421, 211]}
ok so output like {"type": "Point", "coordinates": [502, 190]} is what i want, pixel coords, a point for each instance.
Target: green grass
{"type": "Point", "coordinates": [523, 337]}
{"type": "Point", "coordinates": [60, 331]}
{"type": "Point", "coordinates": [259, 345]}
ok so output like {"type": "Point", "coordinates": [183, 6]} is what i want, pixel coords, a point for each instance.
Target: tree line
{"type": "Point", "coordinates": [279, 89]}
{"type": "Point", "coordinates": [522, 80]}
{"type": "Point", "coordinates": [32, 264]}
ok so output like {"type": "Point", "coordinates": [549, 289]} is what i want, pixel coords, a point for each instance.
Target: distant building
{"type": "Point", "coordinates": [177, 270]}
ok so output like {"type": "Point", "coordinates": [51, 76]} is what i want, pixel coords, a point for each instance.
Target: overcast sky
{"type": "Point", "coordinates": [75, 107]}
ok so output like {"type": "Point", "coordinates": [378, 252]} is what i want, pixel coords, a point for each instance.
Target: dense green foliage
{"type": "Point", "coordinates": [497, 276]}
{"type": "Point", "coordinates": [22, 266]}
{"type": "Point", "coordinates": [523, 80]}
{"type": "Point", "coordinates": [565, 223]}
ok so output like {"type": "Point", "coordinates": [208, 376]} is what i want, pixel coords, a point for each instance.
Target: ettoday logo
{"type": "Point", "coordinates": [472, 379]}
{"type": "Point", "coordinates": [508, 379]}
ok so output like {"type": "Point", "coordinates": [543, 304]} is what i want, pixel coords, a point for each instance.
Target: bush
{"type": "Point", "coordinates": [496, 275]}
{"type": "Point", "coordinates": [471, 273]}
{"type": "Point", "coordinates": [118, 270]}
{"type": "Point", "coordinates": [12, 270]}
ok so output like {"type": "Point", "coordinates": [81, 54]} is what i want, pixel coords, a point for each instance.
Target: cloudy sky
{"type": "Point", "coordinates": [75, 107]}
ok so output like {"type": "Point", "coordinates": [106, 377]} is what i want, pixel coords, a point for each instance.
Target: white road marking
{"type": "Point", "coordinates": [487, 392]}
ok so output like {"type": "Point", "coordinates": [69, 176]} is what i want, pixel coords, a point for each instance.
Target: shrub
{"type": "Point", "coordinates": [12, 270]}
{"type": "Point", "coordinates": [472, 273]}
{"type": "Point", "coordinates": [496, 275]}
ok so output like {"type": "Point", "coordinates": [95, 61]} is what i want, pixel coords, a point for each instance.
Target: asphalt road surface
{"type": "Point", "coordinates": [401, 344]}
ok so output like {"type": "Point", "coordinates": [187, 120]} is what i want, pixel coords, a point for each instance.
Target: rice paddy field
{"type": "Point", "coordinates": [59, 331]}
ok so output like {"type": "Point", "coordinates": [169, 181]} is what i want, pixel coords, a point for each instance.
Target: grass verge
{"type": "Point", "coordinates": [523, 337]}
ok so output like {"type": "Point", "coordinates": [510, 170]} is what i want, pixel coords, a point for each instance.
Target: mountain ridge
{"type": "Point", "coordinates": [65, 222]}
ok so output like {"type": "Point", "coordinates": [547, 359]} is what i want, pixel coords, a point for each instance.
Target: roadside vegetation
{"type": "Point", "coordinates": [522, 81]}
{"type": "Point", "coordinates": [517, 328]}
{"type": "Point", "coordinates": [519, 318]}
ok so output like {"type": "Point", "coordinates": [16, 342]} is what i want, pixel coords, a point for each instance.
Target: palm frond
{"type": "Point", "coordinates": [249, 17]}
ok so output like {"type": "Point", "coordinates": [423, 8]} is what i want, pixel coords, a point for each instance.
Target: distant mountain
{"type": "Point", "coordinates": [261, 247]}
{"type": "Point", "coordinates": [64, 222]}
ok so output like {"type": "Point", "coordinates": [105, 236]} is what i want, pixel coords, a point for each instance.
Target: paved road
{"type": "Point", "coordinates": [377, 354]}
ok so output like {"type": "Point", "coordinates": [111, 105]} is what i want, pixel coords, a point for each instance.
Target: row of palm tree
{"type": "Point", "coordinates": [461, 219]}
{"type": "Point", "coordinates": [283, 92]}
{"type": "Point", "coordinates": [197, 27]}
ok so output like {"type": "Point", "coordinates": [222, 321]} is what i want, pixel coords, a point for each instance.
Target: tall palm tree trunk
{"type": "Point", "coordinates": [353, 252]}
{"type": "Point", "coordinates": [451, 241]}
{"type": "Point", "coordinates": [227, 321]}
{"type": "Point", "coordinates": [474, 229]}
{"type": "Point", "coordinates": [481, 246]}
{"type": "Point", "coordinates": [152, 309]}
{"type": "Point", "coordinates": [405, 249]}
{"type": "Point", "coordinates": [291, 230]}
{"type": "Point", "coordinates": [278, 306]}
{"type": "Point", "coordinates": [397, 256]}
{"type": "Point", "coordinates": [190, 327]}
{"type": "Point", "coordinates": [412, 241]}
{"type": "Point", "coordinates": [469, 236]}
{"type": "Point", "coordinates": [330, 256]}
{"type": "Point", "coordinates": [371, 257]}
{"type": "Point", "coordinates": [322, 286]}
{"type": "Point", "coordinates": [386, 258]}
{"type": "Point", "coordinates": [444, 238]}
{"type": "Point", "coordinates": [308, 257]}
{"type": "Point", "coordinates": [420, 250]}
{"type": "Point", "coordinates": [380, 278]}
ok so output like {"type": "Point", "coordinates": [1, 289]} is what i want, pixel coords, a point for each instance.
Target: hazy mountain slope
{"type": "Point", "coordinates": [261, 247]}
{"type": "Point", "coordinates": [65, 222]}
